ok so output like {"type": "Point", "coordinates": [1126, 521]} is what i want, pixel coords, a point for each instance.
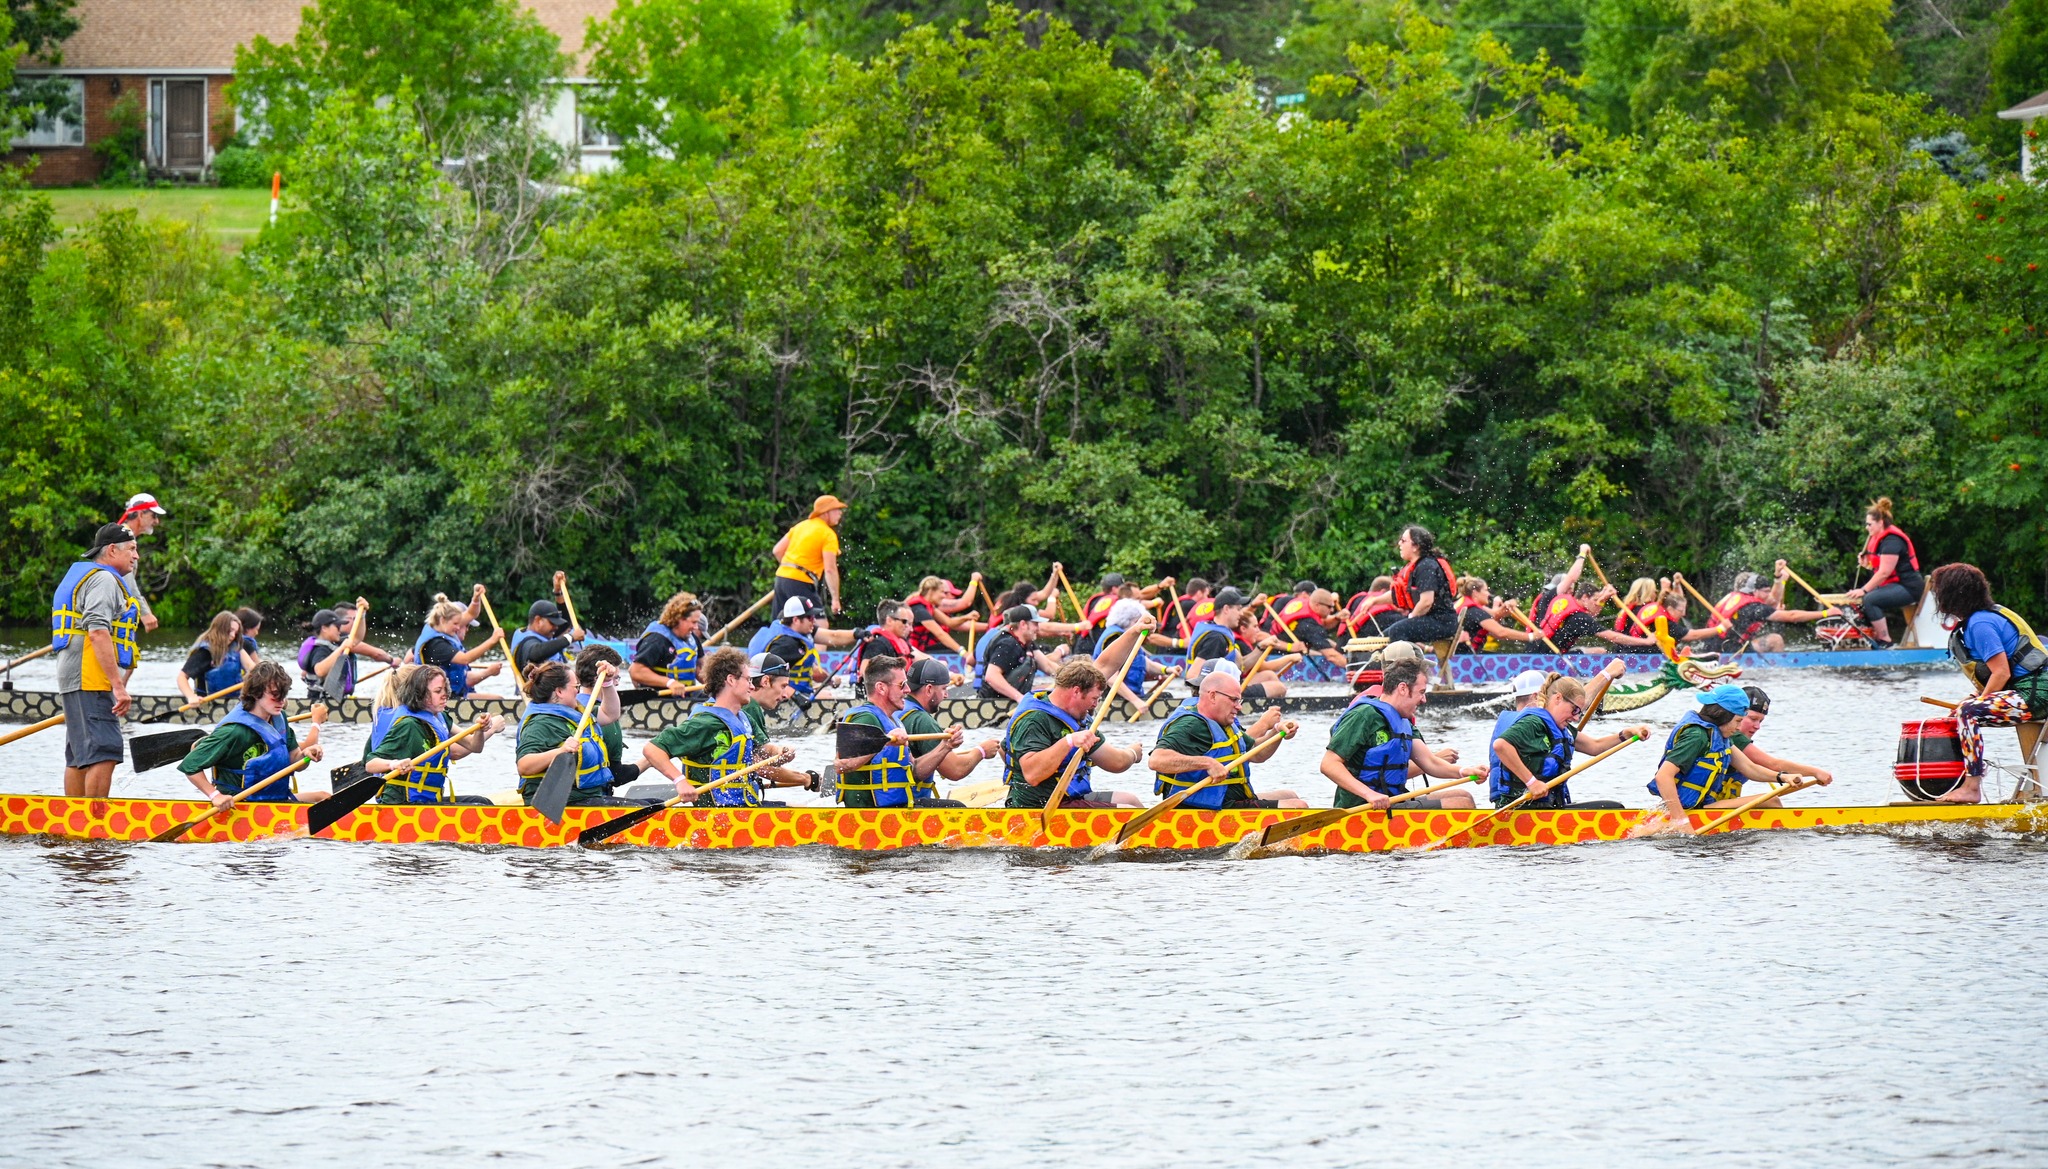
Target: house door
{"type": "Point", "coordinates": [184, 125]}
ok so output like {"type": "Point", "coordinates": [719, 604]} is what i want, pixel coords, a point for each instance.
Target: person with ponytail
{"type": "Point", "coordinates": [1425, 590]}
{"type": "Point", "coordinates": [2001, 656]}
{"type": "Point", "coordinates": [1530, 750]}
{"type": "Point", "coordinates": [1480, 629]}
{"type": "Point", "coordinates": [553, 725]}
{"type": "Point", "coordinates": [1894, 566]}
{"type": "Point", "coordinates": [407, 729]}
{"type": "Point", "coordinates": [440, 643]}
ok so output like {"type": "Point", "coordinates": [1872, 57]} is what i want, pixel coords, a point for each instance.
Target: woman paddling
{"type": "Point", "coordinates": [254, 743]}
{"type": "Point", "coordinates": [416, 721]}
{"type": "Point", "coordinates": [554, 726]}
{"type": "Point", "coordinates": [1894, 567]}
{"type": "Point", "coordinates": [1536, 746]}
{"type": "Point", "coordinates": [1480, 629]}
{"type": "Point", "coordinates": [440, 643]}
{"type": "Point", "coordinates": [217, 660]}
{"type": "Point", "coordinates": [2003, 658]}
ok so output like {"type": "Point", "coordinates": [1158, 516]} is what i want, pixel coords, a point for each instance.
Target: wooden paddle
{"type": "Point", "coordinates": [1293, 642]}
{"type": "Point", "coordinates": [1609, 585]}
{"type": "Point", "coordinates": [30, 656]}
{"type": "Point", "coordinates": [1746, 805]}
{"type": "Point", "coordinates": [598, 833]}
{"type": "Point", "coordinates": [1824, 602]}
{"type": "Point", "coordinates": [32, 728]}
{"type": "Point", "coordinates": [174, 832]}
{"type": "Point", "coordinates": [733, 624]}
{"type": "Point", "coordinates": [1145, 702]}
{"type": "Point", "coordinates": [1923, 698]}
{"type": "Point", "coordinates": [642, 695]}
{"type": "Point", "coordinates": [1530, 794]}
{"type": "Point", "coordinates": [195, 705]}
{"type": "Point", "coordinates": [854, 739]}
{"type": "Point", "coordinates": [504, 644]}
{"type": "Point", "coordinates": [1134, 824]}
{"type": "Point", "coordinates": [1720, 622]}
{"type": "Point", "coordinates": [1180, 615]}
{"type": "Point", "coordinates": [1532, 627]}
{"type": "Point", "coordinates": [355, 785]}
{"type": "Point", "coordinates": [1080, 613]}
{"type": "Point", "coordinates": [569, 603]}
{"type": "Point", "coordinates": [1059, 791]}
{"type": "Point", "coordinates": [1287, 830]}
{"type": "Point", "coordinates": [553, 794]}
{"type": "Point", "coordinates": [149, 752]}
{"type": "Point", "coordinates": [1593, 702]}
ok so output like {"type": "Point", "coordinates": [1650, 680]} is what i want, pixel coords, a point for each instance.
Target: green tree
{"type": "Point", "coordinates": [35, 30]}
{"type": "Point", "coordinates": [2019, 68]}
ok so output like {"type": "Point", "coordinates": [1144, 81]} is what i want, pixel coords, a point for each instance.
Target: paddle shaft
{"type": "Point", "coordinates": [1175, 800]}
{"type": "Point", "coordinates": [1824, 603]}
{"type": "Point", "coordinates": [569, 603]}
{"type": "Point", "coordinates": [1145, 703]}
{"type": "Point", "coordinates": [31, 729]}
{"type": "Point", "coordinates": [1712, 612]}
{"type": "Point", "coordinates": [1532, 627]}
{"type": "Point", "coordinates": [1293, 642]}
{"type": "Point", "coordinates": [1531, 793]}
{"type": "Point", "coordinates": [504, 646]}
{"type": "Point", "coordinates": [1080, 613]}
{"type": "Point", "coordinates": [32, 655]}
{"type": "Point", "coordinates": [1059, 791]}
{"type": "Point", "coordinates": [1923, 698]}
{"type": "Point", "coordinates": [733, 624]}
{"type": "Point", "coordinates": [195, 705]}
{"type": "Point", "coordinates": [170, 834]}
{"type": "Point", "coordinates": [1609, 585]}
{"type": "Point", "coordinates": [1303, 825]}
{"type": "Point", "coordinates": [429, 753]}
{"type": "Point", "coordinates": [1593, 703]}
{"type": "Point", "coordinates": [1754, 801]}
{"type": "Point", "coordinates": [617, 824]}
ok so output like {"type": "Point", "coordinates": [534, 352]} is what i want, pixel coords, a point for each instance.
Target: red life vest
{"type": "Point", "coordinates": [1649, 612]}
{"type": "Point", "coordinates": [1404, 599]}
{"type": "Point", "coordinates": [920, 637]}
{"type": "Point", "coordinates": [1298, 610]}
{"type": "Point", "coordinates": [1095, 608]}
{"type": "Point", "coordinates": [1491, 643]}
{"type": "Point", "coordinates": [1869, 558]}
{"type": "Point", "coordinates": [1560, 610]}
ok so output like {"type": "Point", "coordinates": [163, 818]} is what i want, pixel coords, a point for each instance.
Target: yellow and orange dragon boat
{"type": "Point", "coordinates": [873, 830]}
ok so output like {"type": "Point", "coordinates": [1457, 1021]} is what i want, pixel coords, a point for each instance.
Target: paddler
{"type": "Point", "coordinates": [1376, 746]}
{"type": "Point", "coordinates": [1308, 616]}
{"type": "Point", "coordinates": [1425, 589]}
{"type": "Point", "coordinates": [666, 657]}
{"type": "Point", "coordinates": [253, 743]}
{"type": "Point", "coordinates": [929, 680]}
{"type": "Point", "coordinates": [934, 610]}
{"type": "Point", "coordinates": [1140, 668]}
{"type": "Point", "coordinates": [888, 637]}
{"type": "Point", "coordinates": [1566, 619]}
{"type": "Point", "coordinates": [1373, 610]}
{"type": "Point", "coordinates": [1751, 606]}
{"type": "Point", "coordinates": [547, 636]}
{"type": "Point", "coordinates": [1649, 600]}
{"type": "Point", "coordinates": [1744, 739]}
{"type": "Point", "coordinates": [1480, 629]}
{"type": "Point", "coordinates": [1701, 767]}
{"type": "Point", "coordinates": [440, 643]}
{"type": "Point", "coordinates": [808, 554]}
{"type": "Point", "coordinates": [333, 646]}
{"type": "Point", "coordinates": [217, 660]}
{"type": "Point", "coordinates": [719, 739]}
{"type": "Point", "coordinates": [1011, 659]}
{"type": "Point", "coordinates": [613, 735]}
{"type": "Point", "coordinates": [1048, 728]}
{"type": "Point", "coordinates": [94, 616]}
{"type": "Point", "coordinates": [2002, 658]}
{"type": "Point", "coordinates": [795, 638]}
{"type": "Point", "coordinates": [1215, 640]}
{"type": "Point", "coordinates": [1531, 747]}
{"type": "Point", "coordinates": [416, 721]}
{"type": "Point", "coordinates": [894, 776]}
{"type": "Point", "coordinates": [1204, 731]}
{"type": "Point", "coordinates": [142, 516]}
{"type": "Point", "coordinates": [549, 728]}
{"type": "Point", "coordinates": [1895, 581]}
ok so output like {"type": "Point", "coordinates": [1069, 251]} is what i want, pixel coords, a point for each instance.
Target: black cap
{"type": "Point", "coordinates": [1759, 702]}
{"type": "Point", "coordinates": [324, 618]}
{"type": "Point", "coordinates": [109, 536]}
{"type": "Point", "coordinates": [1230, 596]}
{"type": "Point", "coordinates": [1304, 586]}
{"type": "Point", "coordinates": [929, 672]}
{"type": "Point", "coordinates": [547, 609]}
{"type": "Point", "coordinates": [1113, 580]}
{"type": "Point", "coordinates": [1017, 614]}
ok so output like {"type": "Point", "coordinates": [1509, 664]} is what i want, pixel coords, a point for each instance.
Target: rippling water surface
{"type": "Point", "coordinates": [1826, 999]}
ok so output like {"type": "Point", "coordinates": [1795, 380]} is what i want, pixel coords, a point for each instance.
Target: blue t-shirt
{"type": "Point", "coordinates": [1988, 633]}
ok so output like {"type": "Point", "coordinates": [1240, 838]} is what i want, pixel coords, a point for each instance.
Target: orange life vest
{"type": "Point", "coordinates": [1404, 598]}
{"type": "Point", "coordinates": [1561, 608]}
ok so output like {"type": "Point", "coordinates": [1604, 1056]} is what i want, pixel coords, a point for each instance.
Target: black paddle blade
{"type": "Point", "coordinates": [153, 751]}
{"type": "Point", "coordinates": [598, 833]}
{"type": "Point", "coordinates": [857, 739]}
{"type": "Point", "coordinates": [553, 795]}
{"type": "Point", "coordinates": [353, 787]}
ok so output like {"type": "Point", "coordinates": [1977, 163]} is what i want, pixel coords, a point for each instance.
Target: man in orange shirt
{"type": "Point", "coordinates": [809, 553]}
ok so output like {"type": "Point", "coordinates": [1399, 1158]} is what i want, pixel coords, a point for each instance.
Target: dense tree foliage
{"type": "Point", "coordinates": [1019, 302]}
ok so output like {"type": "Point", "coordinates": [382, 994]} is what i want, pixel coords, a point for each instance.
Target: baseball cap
{"type": "Point", "coordinates": [767, 665]}
{"type": "Point", "coordinates": [825, 503]}
{"type": "Point", "coordinates": [1304, 586]}
{"type": "Point", "coordinates": [1728, 696]}
{"type": "Point", "coordinates": [109, 536]}
{"type": "Point", "coordinates": [1400, 651]}
{"type": "Point", "coordinates": [952, 590]}
{"type": "Point", "coordinates": [143, 501]}
{"type": "Point", "coordinates": [547, 609]}
{"type": "Point", "coordinates": [797, 607]}
{"type": "Point", "coordinates": [1759, 701]}
{"type": "Point", "coordinates": [1018, 613]}
{"type": "Point", "coordinates": [1528, 682]}
{"type": "Point", "coordinates": [1112, 580]}
{"type": "Point", "coordinates": [927, 672]}
{"type": "Point", "coordinates": [1224, 667]}
{"type": "Point", "coordinates": [324, 618]}
{"type": "Point", "coordinates": [1230, 596]}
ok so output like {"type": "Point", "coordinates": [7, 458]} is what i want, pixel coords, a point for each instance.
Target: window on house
{"type": "Point", "coordinates": [589, 133]}
{"type": "Point", "coordinates": [63, 125]}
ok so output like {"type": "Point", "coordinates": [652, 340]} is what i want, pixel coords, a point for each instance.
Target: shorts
{"type": "Point", "coordinates": [1419, 804]}
{"type": "Point", "coordinates": [786, 588]}
{"type": "Point", "coordinates": [934, 802]}
{"type": "Point", "coordinates": [91, 732]}
{"type": "Point", "coordinates": [1255, 690]}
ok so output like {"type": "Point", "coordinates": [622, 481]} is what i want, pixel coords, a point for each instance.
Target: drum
{"type": "Point", "coordinates": [1930, 760]}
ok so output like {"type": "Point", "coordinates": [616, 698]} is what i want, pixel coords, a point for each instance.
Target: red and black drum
{"type": "Point", "coordinates": [1930, 762]}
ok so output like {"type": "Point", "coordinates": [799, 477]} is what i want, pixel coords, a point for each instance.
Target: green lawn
{"type": "Point", "coordinates": [234, 216]}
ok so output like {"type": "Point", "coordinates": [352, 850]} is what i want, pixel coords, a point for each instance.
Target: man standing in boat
{"type": "Point", "coordinates": [808, 555]}
{"type": "Point", "coordinates": [142, 516]}
{"type": "Point", "coordinates": [94, 616]}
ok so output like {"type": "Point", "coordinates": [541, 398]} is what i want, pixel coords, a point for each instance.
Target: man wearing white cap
{"type": "Point", "coordinates": [144, 513]}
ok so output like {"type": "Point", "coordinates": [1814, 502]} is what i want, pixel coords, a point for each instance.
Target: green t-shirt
{"type": "Point", "coordinates": [759, 717]}
{"type": "Point", "coordinates": [408, 738]}
{"type": "Point", "coordinates": [1531, 740]}
{"type": "Point", "coordinates": [917, 721]}
{"type": "Point", "coordinates": [1189, 735]}
{"type": "Point", "coordinates": [696, 741]}
{"type": "Point", "coordinates": [1360, 728]}
{"type": "Point", "coordinates": [227, 748]}
{"type": "Point", "coordinates": [1030, 732]}
{"type": "Point", "coordinates": [540, 733]}
{"type": "Point", "coordinates": [1686, 749]}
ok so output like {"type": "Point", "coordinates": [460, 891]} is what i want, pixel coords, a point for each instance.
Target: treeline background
{"type": "Point", "coordinates": [1688, 279]}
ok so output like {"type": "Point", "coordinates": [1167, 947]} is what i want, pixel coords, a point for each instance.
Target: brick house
{"type": "Point", "coordinates": [177, 57]}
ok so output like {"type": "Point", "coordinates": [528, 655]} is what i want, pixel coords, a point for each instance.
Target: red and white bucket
{"type": "Point", "coordinates": [1930, 761]}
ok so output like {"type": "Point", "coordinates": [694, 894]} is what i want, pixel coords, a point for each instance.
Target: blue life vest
{"type": "Point", "coordinates": [889, 774]}
{"type": "Point", "coordinates": [800, 669]}
{"type": "Point", "coordinates": [458, 673]}
{"type": "Point", "coordinates": [591, 772]}
{"type": "Point", "coordinates": [224, 673]}
{"type": "Point", "coordinates": [254, 769]}
{"type": "Point", "coordinates": [926, 788]}
{"type": "Point", "coordinates": [1383, 767]}
{"type": "Point", "coordinates": [522, 636]}
{"type": "Point", "coordinates": [1203, 629]}
{"type": "Point", "coordinates": [426, 782]}
{"type": "Point", "coordinates": [66, 621]}
{"type": "Point", "coordinates": [758, 643]}
{"type": "Point", "coordinates": [683, 667]}
{"type": "Point", "coordinates": [1223, 743]}
{"type": "Point", "coordinates": [1014, 764]}
{"type": "Point", "coordinates": [737, 754]}
{"type": "Point", "coordinates": [314, 682]}
{"type": "Point", "coordinates": [1134, 677]}
{"type": "Point", "coordinates": [1502, 784]}
{"type": "Point", "coordinates": [1713, 777]}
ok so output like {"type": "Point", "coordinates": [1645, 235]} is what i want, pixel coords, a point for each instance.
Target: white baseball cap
{"type": "Point", "coordinates": [1529, 682]}
{"type": "Point", "coordinates": [144, 502]}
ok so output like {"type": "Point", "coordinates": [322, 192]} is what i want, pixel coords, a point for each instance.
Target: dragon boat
{"type": "Point", "coordinates": [881, 830]}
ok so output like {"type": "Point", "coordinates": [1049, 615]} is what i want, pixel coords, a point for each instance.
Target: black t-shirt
{"type": "Point", "coordinates": [1473, 622]}
{"type": "Point", "coordinates": [654, 651]}
{"type": "Point", "coordinates": [1896, 546]}
{"type": "Point", "coordinates": [873, 646]}
{"type": "Point", "coordinates": [1428, 577]}
{"type": "Point", "coordinates": [1751, 617]}
{"type": "Point", "coordinates": [535, 649]}
{"type": "Point", "coordinates": [438, 651]}
{"type": "Point", "coordinates": [789, 649]}
{"type": "Point", "coordinates": [1212, 645]}
{"type": "Point", "coordinates": [197, 663]}
{"type": "Point", "coordinates": [1310, 632]}
{"type": "Point", "coordinates": [1002, 653]}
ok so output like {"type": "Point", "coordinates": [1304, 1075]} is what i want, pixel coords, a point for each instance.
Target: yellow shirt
{"type": "Point", "coordinates": [803, 558]}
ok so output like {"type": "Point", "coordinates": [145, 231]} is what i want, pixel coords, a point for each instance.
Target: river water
{"type": "Point", "coordinates": [1763, 999]}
